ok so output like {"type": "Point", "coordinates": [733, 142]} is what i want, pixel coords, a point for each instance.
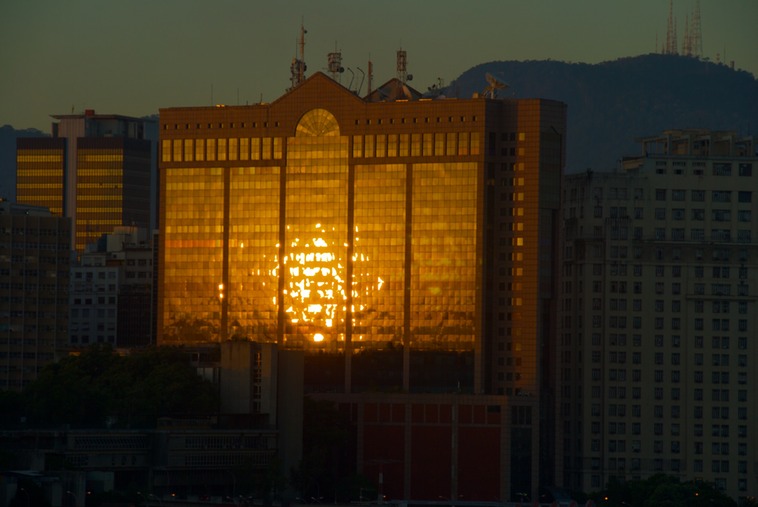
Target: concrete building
{"type": "Point", "coordinates": [658, 315]}
{"type": "Point", "coordinates": [112, 291]}
{"type": "Point", "coordinates": [34, 277]}
{"type": "Point", "coordinates": [391, 223]}
{"type": "Point", "coordinates": [96, 170]}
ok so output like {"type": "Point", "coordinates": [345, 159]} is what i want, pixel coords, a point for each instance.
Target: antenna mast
{"type": "Point", "coordinates": [695, 33]}
{"type": "Point", "coordinates": [370, 76]}
{"type": "Point", "coordinates": [334, 63]}
{"type": "Point", "coordinates": [297, 68]}
{"type": "Point", "coordinates": [402, 65]}
{"type": "Point", "coordinates": [687, 42]}
{"type": "Point", "coordinates": [671, 32]}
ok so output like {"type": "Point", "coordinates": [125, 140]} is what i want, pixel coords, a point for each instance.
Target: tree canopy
{"type": "Point", "coordinates": [662, 490]}
{"type": "Point", "coordinates": [102, 388]}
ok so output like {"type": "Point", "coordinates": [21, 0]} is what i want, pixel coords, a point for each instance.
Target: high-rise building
{"type": "Point", "coordinates": [34, 275]}
{"type": "Point", "coordinates": [96, 170]}
{"type": "Point", "coordinates": [112, 291]}
{"type": "Point", "coordinates": [658, 315]}
{"type": "Point", "coordinates": [329, 222]}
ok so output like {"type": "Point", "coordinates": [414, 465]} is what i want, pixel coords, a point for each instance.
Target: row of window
{"type": "Point", "coordinates": [744, 196]}
{"type": "Point", "coordinates": [367, 121]}
{"type": "Point", "coordinates": [370, 145]}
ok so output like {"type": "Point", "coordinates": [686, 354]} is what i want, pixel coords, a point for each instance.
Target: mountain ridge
{"type": "Point", "coordinates": [610, 104]}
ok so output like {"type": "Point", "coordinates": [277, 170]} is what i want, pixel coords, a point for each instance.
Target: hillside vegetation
{"type": "Point", "coordinates": [610, 104]}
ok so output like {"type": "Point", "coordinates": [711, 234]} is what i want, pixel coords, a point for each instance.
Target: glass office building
{"type": "Point", "coordinates": [96, 169]}
{"type": "Point", "coordinates": [327, 221]}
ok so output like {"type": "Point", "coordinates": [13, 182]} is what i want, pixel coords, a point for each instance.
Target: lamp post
{"type": "Point", "coordinates": [76, 501]}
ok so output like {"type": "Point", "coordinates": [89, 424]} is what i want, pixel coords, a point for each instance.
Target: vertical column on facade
{"type": "Point", "coordinates": [225, 287]}
{"type": "Point", "coordinates": [407, 275]}
{"type": "Point", "coordinates": [282, 317]}
{"type": "Point", "coordinates": [454, 449]}
{"type": "Point", "coordinates": [505, 451]}
{"type": "Point", "coordinates": [349, 274]}
{"type": "Point", "coordinates": [407, 454]}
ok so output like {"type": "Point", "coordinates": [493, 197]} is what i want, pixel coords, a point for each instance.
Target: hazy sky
{"type": "Point", "coordinates": [133, 57]}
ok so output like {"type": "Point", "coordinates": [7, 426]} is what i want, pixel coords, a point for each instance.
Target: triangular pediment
{"type": "Point", "coordinates": [394, 89]}
{"type": "Point", "coordinates": [319, 84]}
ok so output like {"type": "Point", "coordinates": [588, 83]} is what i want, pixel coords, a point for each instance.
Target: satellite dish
{"type": "Point", "coordinates": [493, 85]}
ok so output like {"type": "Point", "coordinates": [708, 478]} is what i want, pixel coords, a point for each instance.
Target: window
{"type": "Point", "coordinates": [660, 194]}
{"type": "Point", "coordinates": [722, 169]}
{"type": "Point", "coordinates": [745, 196]}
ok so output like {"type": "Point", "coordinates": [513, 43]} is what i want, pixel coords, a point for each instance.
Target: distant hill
{"type": "Point", "coordinates": [8, 137]}
{"type": "Point", "coordinates": [610, 104]}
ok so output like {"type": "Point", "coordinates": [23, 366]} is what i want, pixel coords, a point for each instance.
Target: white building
{"type": "Point", "coordinates": [658, 316]}
{"type": "Point", "coordinates": [111, 291]}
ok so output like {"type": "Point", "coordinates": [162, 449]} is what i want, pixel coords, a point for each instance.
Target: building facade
{"type": "Point", "coordinates": [95, 170]}
{"type": "Point", "coordinates": [112, 291]}
{"type": "Point", "coordinates": [34, 277]}
{"type": "Point", "coordinates": [658, 315]}
{"type": "Point", "coordinates": [329, 222]}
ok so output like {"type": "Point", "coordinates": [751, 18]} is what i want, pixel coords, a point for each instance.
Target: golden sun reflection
{"type": "Point", "coordinates": [315, 292]}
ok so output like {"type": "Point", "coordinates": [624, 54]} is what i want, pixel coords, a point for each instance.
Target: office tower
{"type": "Point", "coordinates": [658, 315]}
{"type": "Point", "coordinates": [329, 222]}
{"type": "Point", "coordinates": [34, 275]}
{"type": "Point", "coordinates": [96, 170]}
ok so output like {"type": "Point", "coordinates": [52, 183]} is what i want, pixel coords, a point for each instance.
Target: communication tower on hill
{"type": "Point", "coordinates": [671, 44]}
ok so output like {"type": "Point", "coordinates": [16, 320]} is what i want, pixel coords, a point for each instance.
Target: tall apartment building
{"type": "Point", "coordinates": [112, 291]}
{"type": "Point", "coordinates": [329, 222]}
{"type": "Point", "coordinates": [34, 276]}
{"type": "Point", "coordinates": [95, 169]}
{"type": "Point", "coordinates": [658, 315]}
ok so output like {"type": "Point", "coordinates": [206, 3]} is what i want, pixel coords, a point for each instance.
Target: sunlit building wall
{"type": "Point", "coordinates": [329, 222]}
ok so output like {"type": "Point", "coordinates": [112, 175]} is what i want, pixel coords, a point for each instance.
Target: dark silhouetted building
{"type": "Point", "coordinates": [34, 277]}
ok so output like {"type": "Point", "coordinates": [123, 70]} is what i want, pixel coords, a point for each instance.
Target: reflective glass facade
{"type": "Point", "coordinates": [40, 172]}
{"type": "Point", "coordinates": [95, 170]}
{"type": "Point", "coordinates": [329, 222]}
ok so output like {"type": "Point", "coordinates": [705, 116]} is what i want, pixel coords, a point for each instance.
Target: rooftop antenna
{"type": "Point", "coordinates": [334, 63]}
{"type": "Point", "coordinates": [493, 85]}
{"type": "Point", "coordinates": [298, 67]}
{"type": "Point", "coordinates": [363, 76]}
{"type": "Point", "coordinates": [402, 66]}
{"type": "Point", "coordinates": [370, 75]}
